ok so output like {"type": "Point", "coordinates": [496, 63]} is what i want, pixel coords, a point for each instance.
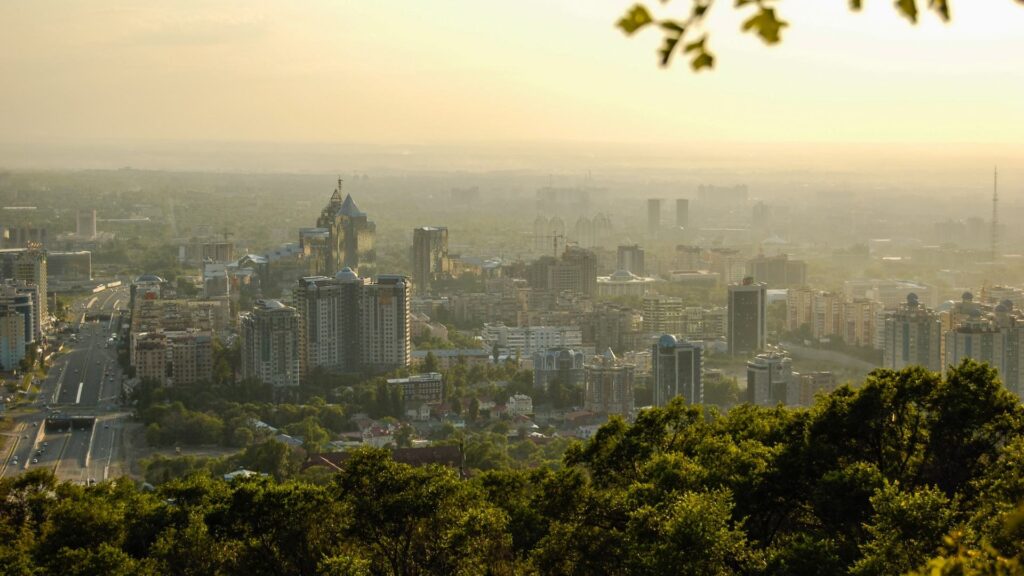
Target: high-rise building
{"type": "Point", "coordinates": [576, 271]}
{"type": "Point", "coordinates": [676, 371]}
{"type": "Point", "coordinates": [385, 339]}
{"type": "Point", "coordinates": [748, 303]}
{"type": "Point", "coordinates": [270, 344]}
{"type": "Point", "coordinates": [770, 380]}
{"type": "Point", "coordinates": [191, 353]}
{"type": "Point", "coordinates": [663, 314]}
{"type": "Point", "coordinates": [12, 339]}
{"type": "Point", "coordinates": [348, 324]}
{"type": "Point", "coordinates": [913, 336]}
{"type": "Point", "coordinates": [777, 271]}
{"type": "Point", "coordinates": [85, 224]}
{"type": "Point", "coordinates": [351, 234]}
{"type": "Point", "coordinates": [329, 321]}
{"type": "Point", "coordinates": [563, 364]}
{"type": "Point", "coordinates": [653, 215]}
{"type": "Point", "coordinates": [525, 340]}
{"type": "Point", "coordinates": [23, 298]}
{"type": "Point", "coordinates": [994, 336]}
{"type": "Point", "coordinates": [28, 265]}
{"type": "Point", "coordinates": [631, 259]}
{"type": "Point", "coordinates": [682, 213]}
{"type": "Point", "coordinates": [429, 257]}
{"type": "Point", "coordinates": [609, 385]}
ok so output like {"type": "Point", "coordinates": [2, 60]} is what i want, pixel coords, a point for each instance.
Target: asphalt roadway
{"type": "Point", "coordinates": [83, 381]}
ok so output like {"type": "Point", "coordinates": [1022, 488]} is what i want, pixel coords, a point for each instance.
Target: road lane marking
{"type": "Point", "coordinates": [78, 397]}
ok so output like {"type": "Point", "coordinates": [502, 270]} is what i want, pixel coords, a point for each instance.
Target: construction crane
{"type": "Point", "coordinates": [555, 237]}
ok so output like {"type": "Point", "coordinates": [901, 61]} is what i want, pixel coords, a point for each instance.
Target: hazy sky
{"type": "Point", "coordinates": [444, 71]}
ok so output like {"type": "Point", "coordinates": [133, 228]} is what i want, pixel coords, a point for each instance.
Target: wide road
{"type": "Point", "coordinates": [86, 381]}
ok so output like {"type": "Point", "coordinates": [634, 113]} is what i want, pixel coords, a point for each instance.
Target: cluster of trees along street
{"type": "Point", "coordinates": [909, 472]}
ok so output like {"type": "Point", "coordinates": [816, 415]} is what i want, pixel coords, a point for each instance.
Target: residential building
{"type": "Point", "coordinates": [329, 310]}
{"type": "Point", "coordinates": [525, 340]}
{"type": "Point", "coordinates": [663, 314]}
{"type": "Point", "coordinates": [270, 344]}
{"type": "Point", "coordinates": [913, 336]}
{"type": "Point", "coordinates": [676, 371]}
{"type": "Point", "coordinates": [12, 339]}
{"type": "Point", "coordinates": [519, 405]}
{"type": "Point", "coordinates": [191, 356]}
{"type": "Point", "coordinates": [385, 338]}
{"type": "Point", "coordinates": [23, 298]}
{"type": "Point", "coordinates": [612, 326]}
{"type": "Point", "coordinates": [609, 385]}
{"type": "Point", "coordinates": [747, 317]}
{"type": "Point", "coordinates": [891, 293]}
{"type": "Point", "coordinates": [28, 265]}
{"type": "Point", "coordinates": [994, 336]}
{"type": "Point", "coordinates": [430, 260]}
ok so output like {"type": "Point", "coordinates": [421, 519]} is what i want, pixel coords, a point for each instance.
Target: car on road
{"type": "Point", "coordinates": [35, 460]}
{"type": "Point", "coordinates": [46, 443]}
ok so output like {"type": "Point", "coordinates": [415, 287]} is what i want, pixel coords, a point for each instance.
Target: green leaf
{"type": "Point", "coordinates": [766, 24]}
{"type": "Point", "coordinates": [635, 19]}
{"type": "Point", "coordinates": [698, 45]}
{"type": "Point", "coordinates": [940, 6]}
{"type": "Point", "coordinates": [672, 26]}
{"type": "Point", "coordinates": [702, 60]}
{"type": "Point", "coordinates": [908, 8]}
{"type": "Point", "coordinates": [667, 48]}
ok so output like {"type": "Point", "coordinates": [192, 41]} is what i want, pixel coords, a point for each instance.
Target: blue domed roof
{"type": "Point", "coordinates": [1008, 303]}
{"type": "Point", "coordinates": [967, 297]}
{"type": "Point", "coordinates": [912, 299]}
{"type": "Point", "coordinates": [667, 341]}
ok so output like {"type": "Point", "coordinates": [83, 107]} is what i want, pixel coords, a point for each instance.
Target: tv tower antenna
{"type": "Point", "coordinates": [995, 212]}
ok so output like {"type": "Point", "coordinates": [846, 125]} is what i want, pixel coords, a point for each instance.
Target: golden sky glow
{"type": "Point", "coordinates": [441, 71]}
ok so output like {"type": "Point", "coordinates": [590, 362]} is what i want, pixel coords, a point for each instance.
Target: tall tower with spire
{"type": "Point", "coordinates": [351, 235]}
{"type": "Point", "coordinates": [995, 213]}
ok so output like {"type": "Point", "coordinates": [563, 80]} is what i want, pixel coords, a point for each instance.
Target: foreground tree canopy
{"type": "Point", "coordinates": [686, 33]}
{"type": "Point", "coordinates": [908, 472]}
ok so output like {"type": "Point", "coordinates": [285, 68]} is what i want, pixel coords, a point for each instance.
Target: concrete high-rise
{"type": "Point", "coordinates": [631, 259]}
{"type": "Point", "coordinates": [913, 336]}
{"type": "Point", "coordinates": [748, 305]}
{"type": "Point", "coordinates": [653, 215]}
{"type": "Point", "coordinates": [270, 344]}
{"type": "Point", "coordinates": [676, 371]}
{"type": "Point", "coordinates": [329, 321]}
{"type": "Point", "coordinates": [385, 339]}
{"type": "Point", "coordinates": [682, 213]}
{"type": "Point", "coordinates": [28, 265]}
{"type": "Point", "coordinates": [608, 387]}
{"type": "Point", "coordinates": [351, 235]}
{"type": "Point", "coordinates": [770, 380]}
{"type": "Point", "coordinates": [85, 224]}
{"type": "Point", "coordinates": [429, 257]}
{"type": "Point", "coordinates": [349, 324]}
{"type": "Point", "coordinates": [12, 339]}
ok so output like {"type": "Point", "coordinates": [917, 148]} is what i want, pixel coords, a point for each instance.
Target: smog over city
{"type": "Point", "coordinates": [539, 287]}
